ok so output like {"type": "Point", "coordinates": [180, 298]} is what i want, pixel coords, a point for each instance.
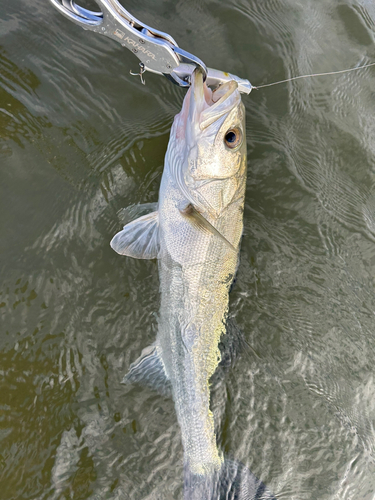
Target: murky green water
{"type": "Point", "coordinates": [80, 139]}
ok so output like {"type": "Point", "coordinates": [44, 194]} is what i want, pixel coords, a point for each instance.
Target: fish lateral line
{"type": "Point", "coordinates": [201, 223]}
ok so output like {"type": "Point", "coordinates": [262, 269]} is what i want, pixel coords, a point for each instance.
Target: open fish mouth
{"type": "Point", "coordinates": [202, 106]}
{"type": "Point", "coordinates": [207, 106]}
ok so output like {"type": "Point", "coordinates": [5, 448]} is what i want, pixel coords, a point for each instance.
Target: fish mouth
{"type": "Point", "coordinates": [195, 128]}
{"type": "Point", "coordinates": [202, 107]}
{"type": "Point", "coordinates": [207, 106]}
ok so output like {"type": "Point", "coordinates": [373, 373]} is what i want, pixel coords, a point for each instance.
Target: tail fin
{"type": "Point", "coordinates": [234, 481]}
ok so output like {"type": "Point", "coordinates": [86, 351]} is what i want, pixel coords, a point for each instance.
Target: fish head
{"type": "Point", "coordinates": [208, 146]}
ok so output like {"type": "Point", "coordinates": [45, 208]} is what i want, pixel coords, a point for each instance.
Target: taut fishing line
{"type": "Point", "coordinates": [314, 74]}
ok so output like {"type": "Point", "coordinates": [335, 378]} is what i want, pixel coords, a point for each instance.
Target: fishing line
{"type": "Point", "coordinates": [314, 74]}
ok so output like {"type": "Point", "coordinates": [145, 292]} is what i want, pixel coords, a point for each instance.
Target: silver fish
{"type": "Point", "coordinates": [195, 234]}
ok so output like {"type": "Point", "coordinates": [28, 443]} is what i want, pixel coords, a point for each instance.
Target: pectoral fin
{"type": "Point", "coordinates": [202, 224]}
{"type": "Point", "coordinates": [148, 370]}
{"type": "Point", "coordinates": [139, 239]}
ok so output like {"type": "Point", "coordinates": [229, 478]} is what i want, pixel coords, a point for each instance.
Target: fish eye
{"type": "Point", "coordinates": [233, 138]}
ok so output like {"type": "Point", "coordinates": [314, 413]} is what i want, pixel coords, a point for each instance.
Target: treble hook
{"type": "Point", "coordinates": [140, 74]}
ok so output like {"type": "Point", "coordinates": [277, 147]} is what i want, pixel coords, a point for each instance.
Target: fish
{"type": "Point", "coordinates": [194, 231]}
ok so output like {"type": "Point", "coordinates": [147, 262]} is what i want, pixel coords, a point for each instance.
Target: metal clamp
{"type": "Point", "coordinates": [157, 51]}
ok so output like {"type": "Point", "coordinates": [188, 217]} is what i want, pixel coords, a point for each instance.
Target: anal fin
{"type": "Point", "coordinates": [148, 370]}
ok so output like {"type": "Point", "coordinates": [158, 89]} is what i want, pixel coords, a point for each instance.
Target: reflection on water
{"type": "Point", "coordinates": [79, 140]}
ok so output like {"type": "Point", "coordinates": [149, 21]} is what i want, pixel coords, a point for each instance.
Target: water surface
{"type": "Point", "coordinates": [79, 140]}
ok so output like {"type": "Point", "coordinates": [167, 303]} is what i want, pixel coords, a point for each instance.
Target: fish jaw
{"type": "Point", "coordinates": [197, 153]}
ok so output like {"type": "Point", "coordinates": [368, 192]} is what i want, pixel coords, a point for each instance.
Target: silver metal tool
{"type": "Point", "coordinates": [157, 51]}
